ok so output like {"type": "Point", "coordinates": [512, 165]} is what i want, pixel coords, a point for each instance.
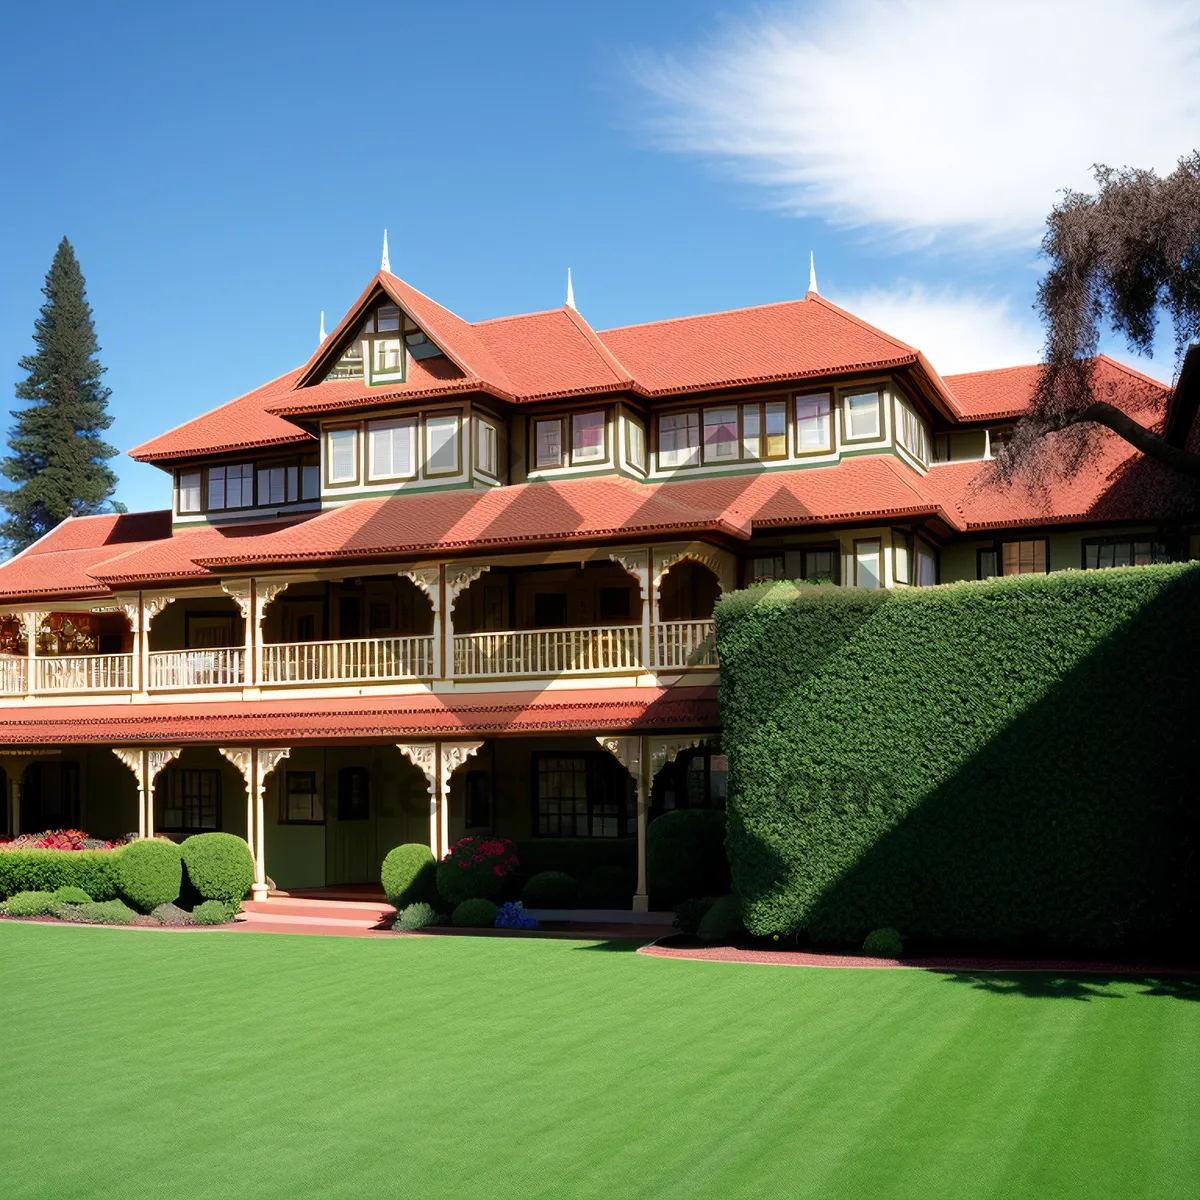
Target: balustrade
{"type": "Point", "coordinates": [350, 660]}
{"type": "Point", "coordinates": [548, 651]}
{"type": "Point", "coordinates": [84, 673]}
{"type": "Point", "coordinates": [220, 666]}
{"type": "Point", "coordinates": [684, 644]}
{"type": "Point", "coordinates": [12, 675]}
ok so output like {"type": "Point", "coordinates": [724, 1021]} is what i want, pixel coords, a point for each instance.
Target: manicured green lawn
{"type": "Point", "coordinates": [238, 1065]}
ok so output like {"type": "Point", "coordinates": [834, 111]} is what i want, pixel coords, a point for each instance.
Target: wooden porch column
{"type": "Point", "coordinates": [633, 753]}
{"type": "Point", "coordinates": [451, 756]}
{"type": "Point", "coordinates": [424, 756]}
{"type": "Point", "coordinates": [637, 564]}
{"type": "Point", "coordinates": [255, 765]}
{"type": "Point", "coordinates": [33, 623]}
{"type": "Point", "coordinates": [429, 581]}
{"type": "Point", "coordinates": [458, 579]}
{"type": "Point", "coordinates": [146, 765]}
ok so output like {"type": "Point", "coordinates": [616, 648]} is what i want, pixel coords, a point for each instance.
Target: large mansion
{"type": "Point", "coordinates": [452, 577]}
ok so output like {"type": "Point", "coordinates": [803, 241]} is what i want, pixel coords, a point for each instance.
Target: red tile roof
{"type": "Point", "coordinates": [365, 719]}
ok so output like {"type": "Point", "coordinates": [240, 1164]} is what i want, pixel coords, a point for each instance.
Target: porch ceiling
{"type": "Point", "coordinates": [367, 719]}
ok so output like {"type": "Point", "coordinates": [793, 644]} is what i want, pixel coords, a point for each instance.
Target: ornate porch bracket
{"type": "Point", "coordinates": [146, 764]}
{"type": "Point", "coordinates": [255, 765]}
{"type": "Point", "coordinates": [241, 592]}
{"type": "Point", "coordinates": [458, 579]}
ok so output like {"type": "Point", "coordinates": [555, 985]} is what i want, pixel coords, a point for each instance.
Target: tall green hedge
{"type": "Point", "coordinates": [1001, 764]}
{"type": "Point", "coordinates": [94, 871]}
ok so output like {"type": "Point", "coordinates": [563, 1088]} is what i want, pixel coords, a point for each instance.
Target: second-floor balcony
{"type": "Point", "coordinates": [350, 660]}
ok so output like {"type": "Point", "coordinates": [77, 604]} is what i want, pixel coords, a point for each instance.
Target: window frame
{"type": "Point", "coordinates": [454, 415]}
{"type": "Point", "coordinates": [161, 789]}
{"type": "Point", "coordinates": [487, 437]}
{"type": "Point", "coordinates": [1155, 541]}
{"type": "Point", "coordinates": [286, 792]}
{"type": "Point", "coordinates": [637, 462]}
{"type": "Point", "coordinates": [736, 442]}
{"type": "Point", "coordinates": [877, 542]}
{"type": "Point", "coordinates": [199, 508]}
{"type": "Point", "coordinates": [1002, 542]}
{"type": "Point", "coordinates": [576, 460]}
{"type": "Point", "coordinates": [844, 398]}
{"type": "Point", "coordinates": [240, 467]}
{"type": "Point", "coordinates": [696, 449]}
{"type": "Point", "coordinates": [534, 425]}
{"type": "Point", "coordinates": [594, 766]}
{"type": "Point", "coordinates": [391, 424]}
{"type": "Point", "coordinates": [328, 433]}
{"type": "Point", "coordinates": [802, 397]}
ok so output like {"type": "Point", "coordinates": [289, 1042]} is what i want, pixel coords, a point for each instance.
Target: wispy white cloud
{"type": "Point", "coordinates": [958, 330]}
{"type": "Point", "coordinates": [936, 117]}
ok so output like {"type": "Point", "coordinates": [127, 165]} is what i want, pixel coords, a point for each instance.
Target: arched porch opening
{"type": "Point", "coordinates": [196, 642]}
{"type": "Point", "coordinates": [684, 631]}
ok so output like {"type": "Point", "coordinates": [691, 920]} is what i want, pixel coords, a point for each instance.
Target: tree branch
{"type": "Point", "coordinates": [1151, 444]}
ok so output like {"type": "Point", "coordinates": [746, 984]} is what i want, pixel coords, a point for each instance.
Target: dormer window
{"type": "Point", "coordinates": [420, 347]}
{"type": "Point", "coordinates": [379, 350]}
{"type": "Point", "coordinates": [587, 438]}
{"type": "Point", "coordinates": [547, 437]}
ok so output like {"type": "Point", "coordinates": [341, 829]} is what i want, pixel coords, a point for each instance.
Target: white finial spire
{"type": "Point", "coordinates": [570, 290]}
{"type": "Point", "coordinates": [321, 335]}
{"type": "Point", "coordinates": [812, 274]}
{"type": "Point", "coordinates": [386, 265]}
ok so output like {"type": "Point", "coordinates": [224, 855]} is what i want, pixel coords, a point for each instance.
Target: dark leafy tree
{"type": "Point", "coordinates": [1124, 256]}
{"type": "Point", "coordinates": [59, 461]}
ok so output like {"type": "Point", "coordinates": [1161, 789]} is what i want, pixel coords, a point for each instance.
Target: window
{"type": "Point", "coordinates": [911, 432]}
{"type": "Point", "coordinates": [420, 347]}
{"type": "Point", "coordinates": [189, 801]}
{"type": "Point", "coordinates": [579, 796]}
{"type": "Point", "coordinates": [189, 492]}
{"type": "Point", "coordinates": [861, 411]}
{"type": "Point", "coordinates": [382, 334]}
{"type": "Point", "coordinates": [310, 480]}
{"type": "Point", "coordinates": [547, 438]}
{"type": "Point", "coordinates": [812, 424]}
{"type": "Point", "coordinates": [387, 357]}
{"type": "Point", "coordinates": [350, 365]}
{"type": "Point", "coordinates": [987, 564]}
{"type": "Point", "coordinates": [272, 485]}
{"type": "Point", "coordinates": [587, 438]}
{"type": "Point", "coordinates": [1024, 558]}
{"type": "Point", "coordinates": [387, 318]}
{"type": "Point", "coordinates": [927, 565]}
{"type": "Point", "coordinates": [231, 487]}
{"type": "Point", "coordinates": [301, 803]}
{"type": "Point", "coordinates": [821, 563]}
{"type": "Point", "coordinates": [903, 557]}
{"type": "Point", "coordinates": [697, 778]}
{"type": "Point", "coordinates": [441, 444]}
{"type": "Point", "coordinates": [390, 449]}
{"type": "Point", "coordinates": [637, 443]}
{"type": "Point", "coordinates": [766, 568]}
{"type": "Point", "coordinates": [1119, 552]}
{"type": "Point", "coordinates": [485, 446]}
{"type": "Point", "coordinates": [679, 440]}
{"type": "Point", "coordinates": [342, 449]}
{"type": "Point", "coordinates": [775, 421]}
{"type": "Point", "coordinates": [867, 566]}
{"type": "Point", "coordinates": [752, 431]}
{"type": "Point", "coordinates": [720, 434]}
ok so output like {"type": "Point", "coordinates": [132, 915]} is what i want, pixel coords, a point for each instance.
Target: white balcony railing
{"type": "Point", "coordinates": [548, 651]}
{"type": "Point", "coordinates": [347, 661]}
{"type": "Point", "coordinates": [684, 644]}
{"type": "Point", "coordinates": [221, 666]}
{"type": "Point", "coordinates": [12, 675]}
{"type": "Point", "coordinates": [84, 673]}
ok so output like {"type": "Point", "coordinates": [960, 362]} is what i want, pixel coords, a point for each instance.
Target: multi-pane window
{"type": "Point", "coordinates": [1119, 552]}
{"type": "Point", "coordinates": [868, 571]}
{"type": "Point", "coordinates": [189, 492]}
{"type": "Point", "coordinates": [485, 446]}
{"type": "Point", "coordinates": [577, 796]}
{"type": "Point", "coordinates": [637, 443]}
{"type": "Point", "coordinates": [301, 803]}
{"type": "Point", "coordinates": [391, 450]}
{"type": "Point", "coordinates": [342, 448]}
{"type": "Point", "coordinates": [809, 563]}
{"type": "Point", "coordinates": [547, 443]}
{"type": "Point", "coordinates": [231, 487]}
{"type": "Point", "coordinates": [720, 434]}
{"type": "Point", "coordinates": [821, 563]}
{"type": "Point", "coordinates": [911, 432]}
{"type": "Point", "coordinates": [679, 439]}
{"type": "Point", "coordinates": [189, 801]}
{"type": "Point", "coordinates": [813, 424]}
{"type": "Point", "coordinates": [587, 438]}
{"type": "Point", "coordinates": [862, 415]}
{"type": "Point", "coordinates": [441, 444]}
{"type": "Point", "coordinates": [273, 485]}
{"type": "Point", "coordinates": [766, 567]}
{"type": "Point", "coordinates": [1024, 558]}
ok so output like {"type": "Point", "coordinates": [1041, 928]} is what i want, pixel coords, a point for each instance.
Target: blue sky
{"type": "Point", "coordinates": [225, 171]}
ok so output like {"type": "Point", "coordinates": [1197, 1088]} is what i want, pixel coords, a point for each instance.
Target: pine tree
{"type": "Point", "coordinates": [58, 460]}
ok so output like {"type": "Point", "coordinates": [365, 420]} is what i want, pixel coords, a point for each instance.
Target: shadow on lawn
{"type": "Point", "coordinates": [614, 945]}
{"type": "Point", "coordinates": [1039, 985]}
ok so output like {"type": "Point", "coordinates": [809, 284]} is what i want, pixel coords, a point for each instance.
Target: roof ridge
{"type": "Point", "coordinates": [541, 312]}
{"type": "Point", "coordinates": [849, 316]}
{"type": "Point", "coordinates": [721, 312]}
{"type": "Point", "coordinates": [606, 356]}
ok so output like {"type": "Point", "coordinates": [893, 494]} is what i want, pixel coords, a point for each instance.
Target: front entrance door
{"type": "Point", "coordinates": [352, 829]}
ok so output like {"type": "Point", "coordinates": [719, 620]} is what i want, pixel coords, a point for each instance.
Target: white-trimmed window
{"type": "Point", "coordinates": [341, 446]}
{"type": "Point", "coordinates": [637, 443]}
{"type": "Point", "coordinates": [189, 492]}
{"type": "Point", "coordinates": [901, 561]}
{"type": "Point", "coordinates": [387, 357]}
{"type": "Point", "coordinates": [813, 424]}
{"type": "Point", "coordinates": [1024, 558]}
{"type": "Point", "coordinates": [720, 434]}
{"type": "Point", "coordinates": [927, 565]}
{"type": "Point", "coordinates": [231, 487]}
{"type": "Point", "coordinates": [588, 442]}
{"type": "Point", "coordinates": [441, 444]}
{"type": "Point", "coordinates": [547, 443]}
{"type": "Point", "coordinates": [485, 447]}
{"type": "Point", "coordinates": [911, 432]}
{"type": "Point", "coordinates": [391, 449]}
{"type": "Point", "coordinates": [862, 415]}
{"type": "Point", "coordinates": [868, 564]}
{"type": "Point", "coordinates": [679, 439]}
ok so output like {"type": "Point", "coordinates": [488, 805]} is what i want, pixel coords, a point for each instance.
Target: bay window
{"type": "Point", "coordinates": [547, 443]}
{"type": "Point", "coordinates": [588, 442]}
{"type": "Point", "coordinates": [861, 412]}
{"type": "Point", "coordinates": [812, 424]}
{"type": "Point", "coordinates": [679, 439]}
{"type": "Point", "coordinates": [189, 492]}
{"type": "Point", "coordinates": [720, 434]}
{"type": "Point", "coordinates": [391, 449]}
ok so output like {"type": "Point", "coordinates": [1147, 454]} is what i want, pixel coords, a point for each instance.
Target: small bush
{"type": "Point", "coordinates": [476, 913]}
{"type": "Point", "coordinates": [722, 924]}
{"type": "Point", "coordinates": [476, 868]}
{"type": "Point", "coordinates": [884, 943]}
{"type": "Point", "coordinates": [551, 889]}
{"type": "Point", "coordinates": [93, 871]}
{"type": "Point", "coordinates": [171, 914]}
{"type": "Point", "coordinates": [416, 916]}
{"type": "Point", "coordinates": [409, 875]}
{"type": "Point", "coordinates": [108, 912]}
{"type": "Point", "coordinates": [213, 912]}
{"type": "Point", "coordinates": [30, 904]}
{"type": "Point", "coordinates": [689, 913]}
{"type": "Point", "coordinates": [150, 873]}
{"type": "Point", "coordinates": [608, 887]}
{"type": "Point", "coordinates": [513, 916]}
{"type": "Point", "coordinates": [685, 856]}
{"type": "Point", "coordinates": [219, 866]}
{"type": "Point", "coordinates": [71, 895]}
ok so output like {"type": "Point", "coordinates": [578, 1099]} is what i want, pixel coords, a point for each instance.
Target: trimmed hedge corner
{"type": "Point", "coordinates": [476, 913]}
{"type": "Point", "coordinates": [722, 924]}
{"type": "Point", "coordinates": [93, 871]}
{"type": "Point", "coordinates": [409, 875]}
{"type": "Point", "coordinates": [150, 873]}
{"type": "Point", "coordinates": [1006, 765]}
{"type": "Point", "coordinates": [685, 856]}
{"type": "Point", "coordinates": [551, 889]}
{"type": "Point", "coordinates": [218, 866]}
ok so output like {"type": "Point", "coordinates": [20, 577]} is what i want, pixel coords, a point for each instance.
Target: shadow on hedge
{"type": "Point", "coordinates": [1036, 985]}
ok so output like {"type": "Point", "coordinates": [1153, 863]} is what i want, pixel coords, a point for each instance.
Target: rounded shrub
{"type": "Point", "coordinates": [609, 886]}
{"type": "Point", "coordinates": [551, 889]}
{"type": "Point", "coordinates": [689, 913]}
{"type": "Point", "coordinates": [98, 912]}
{"type": "Point", "coordinates": [415, 916]}
{"type": "Point", "coordinates": [722, 923]}
{"type": "Point", "coordinates": [212, 912]}
{"type": "Point", "coordinates": [476, 913]}
{"type": "Point", "coordinates": [476, 868]}
{"type": "Point", "coordinates": [30, 904]}
{"type": "Point", "coordinates": [685, 856]}
{"type": "Point", "coordinates": [150, 873]}
{"type": "Point", "coordinates": [409, 875]}
{"type": "Point", "coordinates": [171, 914]}
{"type": "Point", "coordinates": [218, 866]}
{"type": "Point", "coordinates": [884, 943]}
{"type": "Point", "coordinates": [71, 895]}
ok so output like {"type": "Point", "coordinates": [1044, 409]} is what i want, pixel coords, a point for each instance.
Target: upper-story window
{"type": "Point", "coordinates": [720, 434]}
{"type": "Point", "coordinates": [912, 434]}
{"type": "Point", "coordinates": [548, 444]}
{"type": "Point", "coordinates": [391, 449]}
{"type": "Point", "coordinates": [189, 492]}
{"type": "Point", "coordinates": [231, 487]}
{"type": "Point", "coordinates": [764, 430]}
{"type": "Point", "coordinates": [485, 447]}
{"type": "Point", "coordinates": [342, 455]}
{"type": "Point", "coordinates": [441, 444]}
{"type": "Point", "coordinates": [286, 484]}
{"type": "Point", "coordinates": [861, 411]}
{"type": "Point", "coordinates": [248, 485]}
{"type": "Point", "coordinates": [813, 427]}
{"type": "Point", "coordinates": [588, 437]}
{"type": "Point", "coordinates": [636, 447]}
{"type": "Point", "coordinates": [381, 346]}
{"type": "Point", "coordinates": [679, 439]}
{"type": "Point", "coordinates": [588, 440]}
